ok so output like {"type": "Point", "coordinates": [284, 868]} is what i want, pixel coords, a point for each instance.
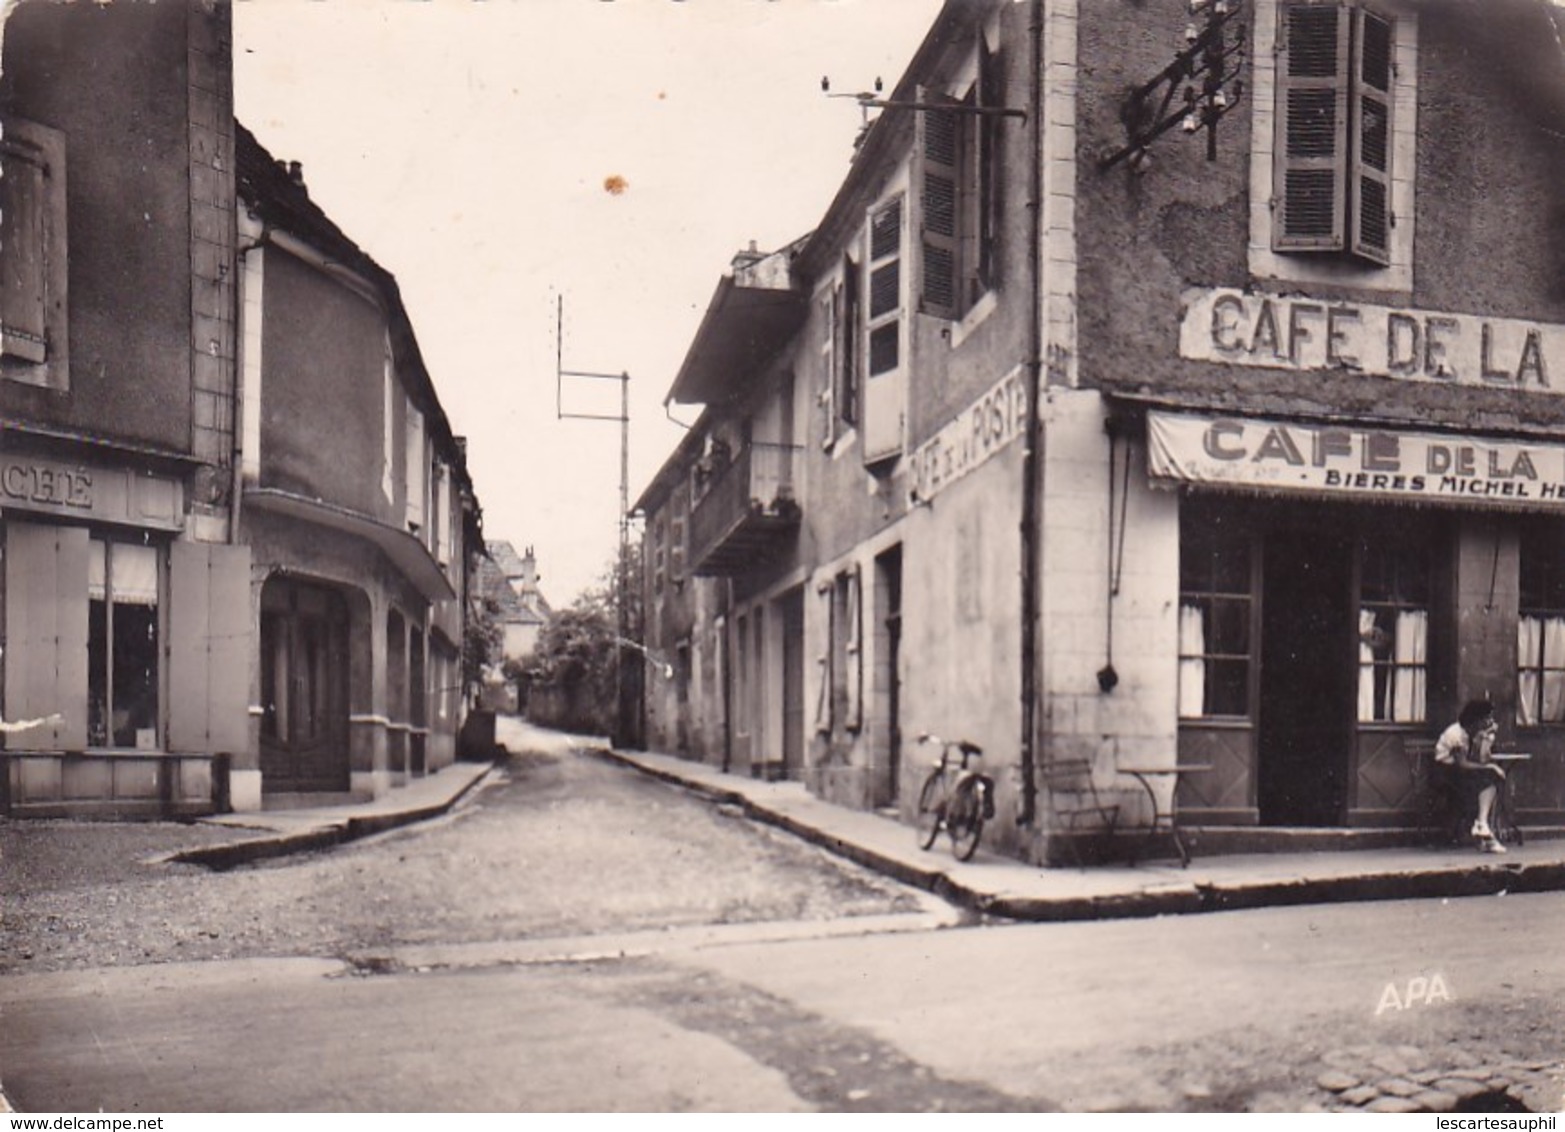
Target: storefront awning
{"type": "Point", "coordinates": [404, 550]}
{"type": "Point", "coordinates": [1354, 461]}
{"type": "Point", "coordinates": [742, 329]}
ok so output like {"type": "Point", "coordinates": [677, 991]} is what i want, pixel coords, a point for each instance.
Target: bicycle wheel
{"type": "Point", "coordinates": [965, 820]}
{"type": "Point", "coordinates": [929, 810]}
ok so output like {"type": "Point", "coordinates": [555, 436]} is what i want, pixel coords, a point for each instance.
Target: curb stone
{"type": "Point", "coordinates": [1485, 878]}
{"type": "Point", "coordinates": [339, 832]}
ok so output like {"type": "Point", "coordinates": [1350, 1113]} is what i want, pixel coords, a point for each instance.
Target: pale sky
{"type": "Point", "coordinates": [465, 145]}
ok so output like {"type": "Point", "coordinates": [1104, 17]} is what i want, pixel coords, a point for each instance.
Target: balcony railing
{"type": "Point", "coordinates": [746, 511]}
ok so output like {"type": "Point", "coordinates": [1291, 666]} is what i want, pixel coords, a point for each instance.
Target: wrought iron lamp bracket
{"type": "Point", "coordinates": [1196, 90]}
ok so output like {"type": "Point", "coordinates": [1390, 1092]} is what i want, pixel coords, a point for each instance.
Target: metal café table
{"type": "Point", "coordinates": [1505, 827]}
{"type": "Point", "coordinates": [1162, 822]}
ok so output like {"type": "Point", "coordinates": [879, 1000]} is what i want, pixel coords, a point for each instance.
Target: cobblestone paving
{"type": "Point", "coordinates": [561, 844]}
{"type": "Point", "coordinates": [1405, 1078]}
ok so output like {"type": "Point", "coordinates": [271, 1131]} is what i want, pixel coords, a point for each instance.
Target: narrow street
{"type": "Point", "coordinates": [579, 937]}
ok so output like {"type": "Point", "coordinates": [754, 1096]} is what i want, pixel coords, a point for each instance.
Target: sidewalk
{"type": "Point", "coordinates": [1006, 887]}
{"type": "Point", "coordinates": [279, 832]}
{"type": "Point", "coordinates": [989, 883]}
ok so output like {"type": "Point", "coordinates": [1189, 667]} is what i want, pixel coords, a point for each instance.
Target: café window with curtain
{"type": "Point", "coordinates": [1393, 624]}
{"type": "Point", "coordinates": [122, 644]}
{"type": "Point", "coordinates": [1215, 617]}
{"type": "Point", "coordinates": [1540, 632]}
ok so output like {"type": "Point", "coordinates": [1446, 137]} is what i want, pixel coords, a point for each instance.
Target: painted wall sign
{"type": "Point", "coordinates": [86, 491]}
{"type": "Point", "coordinates": [1348, 461]}
{"type": "Point", "coordinates": [978, 433]}
{"type": "Point", "coordinates": [1299, 333]}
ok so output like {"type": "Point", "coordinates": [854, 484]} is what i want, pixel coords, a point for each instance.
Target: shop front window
{"type": "Point", "coordinates": [1214, 623]}
{"type": "Point", "coordinates": [1540, 634]}
{"type": "Point", "coordinates": [122, 645]}
{"type": "Point", "coordinates": [1393, 625]}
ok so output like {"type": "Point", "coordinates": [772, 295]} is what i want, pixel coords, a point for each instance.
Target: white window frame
{"type": "Point", "coordinates": [1330, 268]}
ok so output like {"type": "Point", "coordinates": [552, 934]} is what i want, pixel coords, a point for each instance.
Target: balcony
{"type": "Point", "coordinates": [747, 510]}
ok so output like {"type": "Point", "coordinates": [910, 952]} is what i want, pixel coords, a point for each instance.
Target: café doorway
{"type": "Point", "coordinates": [1307, 676]}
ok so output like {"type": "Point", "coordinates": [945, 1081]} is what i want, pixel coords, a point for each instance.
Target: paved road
{"type": "Point", "coordinates": [561, 844]}
{"type": "Point", "coordinates": [624, 947]}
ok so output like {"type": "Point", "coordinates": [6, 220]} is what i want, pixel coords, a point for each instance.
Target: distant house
{"type": "Point", "coordinates": [509, 581]}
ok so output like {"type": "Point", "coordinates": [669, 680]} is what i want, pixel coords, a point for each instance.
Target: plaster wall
{"type": "Point", "coordinates": [1097, 567]}
{"type": "Point", "coordinates": [114, 80]}
{"type": "Point", "coordinates": [961, 637]}
{"type": "Point", "coordinates": [324, 354]}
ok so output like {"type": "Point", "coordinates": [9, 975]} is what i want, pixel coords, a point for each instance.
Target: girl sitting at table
{"type": "Point", "coordinates": [1463, 750]}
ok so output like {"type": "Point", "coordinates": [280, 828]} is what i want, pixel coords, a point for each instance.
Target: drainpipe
{"type": "Point", "coordinates": [1031, 456]}
{"type": "Point", "coordinates": [244, 248]}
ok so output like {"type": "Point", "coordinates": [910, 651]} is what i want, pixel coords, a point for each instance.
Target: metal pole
{"type": "Point", "coordinates": [622, 686]}
{"type": "Point", "coordinates": [624, 733]}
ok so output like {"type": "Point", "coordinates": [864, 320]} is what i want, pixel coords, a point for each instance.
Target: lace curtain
{"type": "Point", "coordinates": [1540, 643]}
{"type": "Point", "coordinates": [1192, 665]}
{"type": "Point", "coordinates": [1393, 679]}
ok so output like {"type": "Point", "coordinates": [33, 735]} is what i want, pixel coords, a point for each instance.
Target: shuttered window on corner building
{"type": "Point", "coordinates": [1370, 165]}
{"type": "Point", "coordinates": [939, 150]}
{"type": "Point", "coordinates": [32, 254]}
{"type": "Point", "coordinates": [1333, 146]}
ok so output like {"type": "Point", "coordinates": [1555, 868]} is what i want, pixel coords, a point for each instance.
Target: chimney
{"type": "Point", "coordinates": [527, 583]}
{"type": "Point", "coordinates": [296, 174]}
{"type": "Point", "coordinates": [750, 255]}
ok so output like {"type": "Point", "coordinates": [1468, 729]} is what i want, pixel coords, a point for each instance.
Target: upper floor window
{"type": "Point", "coordinates": [883, 392]}
{"type": "Point", "coordinates": [1333, 150]}
{"type": "Point", "coordinates": [415, 470]}
{"type": "Point", "coordinates": [388, 389]}
{"type": "Point", "coordinates": [884, 324]}
{"type": "Point", "coordinates": [32, 255]}
{"type": "Point", "coordinates": [679, 512]}
{"type": "Point", "coordinates": [958, 152]}
{"type": "Point", "coordinates": [441, 519]}
{"type": "Point", "coordinates": [840, 361]}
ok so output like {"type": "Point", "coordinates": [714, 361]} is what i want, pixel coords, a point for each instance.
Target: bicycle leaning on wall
{"type": "Point", "coordinates": [955, 797]}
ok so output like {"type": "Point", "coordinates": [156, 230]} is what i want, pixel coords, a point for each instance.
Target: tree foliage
{"type": "Point", "coordinates": [481, 640]}
{"type": "Point", "coordinates": [577, 654]}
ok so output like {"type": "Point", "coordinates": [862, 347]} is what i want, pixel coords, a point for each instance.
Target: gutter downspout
{"type": "Point", "coordinates": [243, 247]}
{"type": "Point", "coordinates": [1031, 456]}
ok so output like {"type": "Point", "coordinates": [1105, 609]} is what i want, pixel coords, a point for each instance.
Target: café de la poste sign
{"type": "Point", "coordinates": [1277, 332]}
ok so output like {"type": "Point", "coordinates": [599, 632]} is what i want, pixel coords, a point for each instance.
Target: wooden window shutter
{"type": "Point", "coordinates": [210, 643]}
{"type": "Point", "coordinates": [854, 651]}
{"type": "Point", "coordinates": [991, 94]}
{"type": "Point", "coordinates": [46, 634]}
{"type": "Point", "coordinates": [830, 315]}
{"type": "Point", "coordinates": [848, 365]}
{"type": "Point", "coordinates": [1312, 127]}
{"type": "Point", "coordinates": [1369, 170]}
{"type": "Point", "coordinates": [938, 148]}
{"type": "Point", "coordinates": [24, 244]}
{"type": "Point", "coordinates": [828, 638]}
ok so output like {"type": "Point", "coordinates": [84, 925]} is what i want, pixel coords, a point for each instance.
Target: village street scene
{"type": "Point", "coordinates": [876, 556]}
